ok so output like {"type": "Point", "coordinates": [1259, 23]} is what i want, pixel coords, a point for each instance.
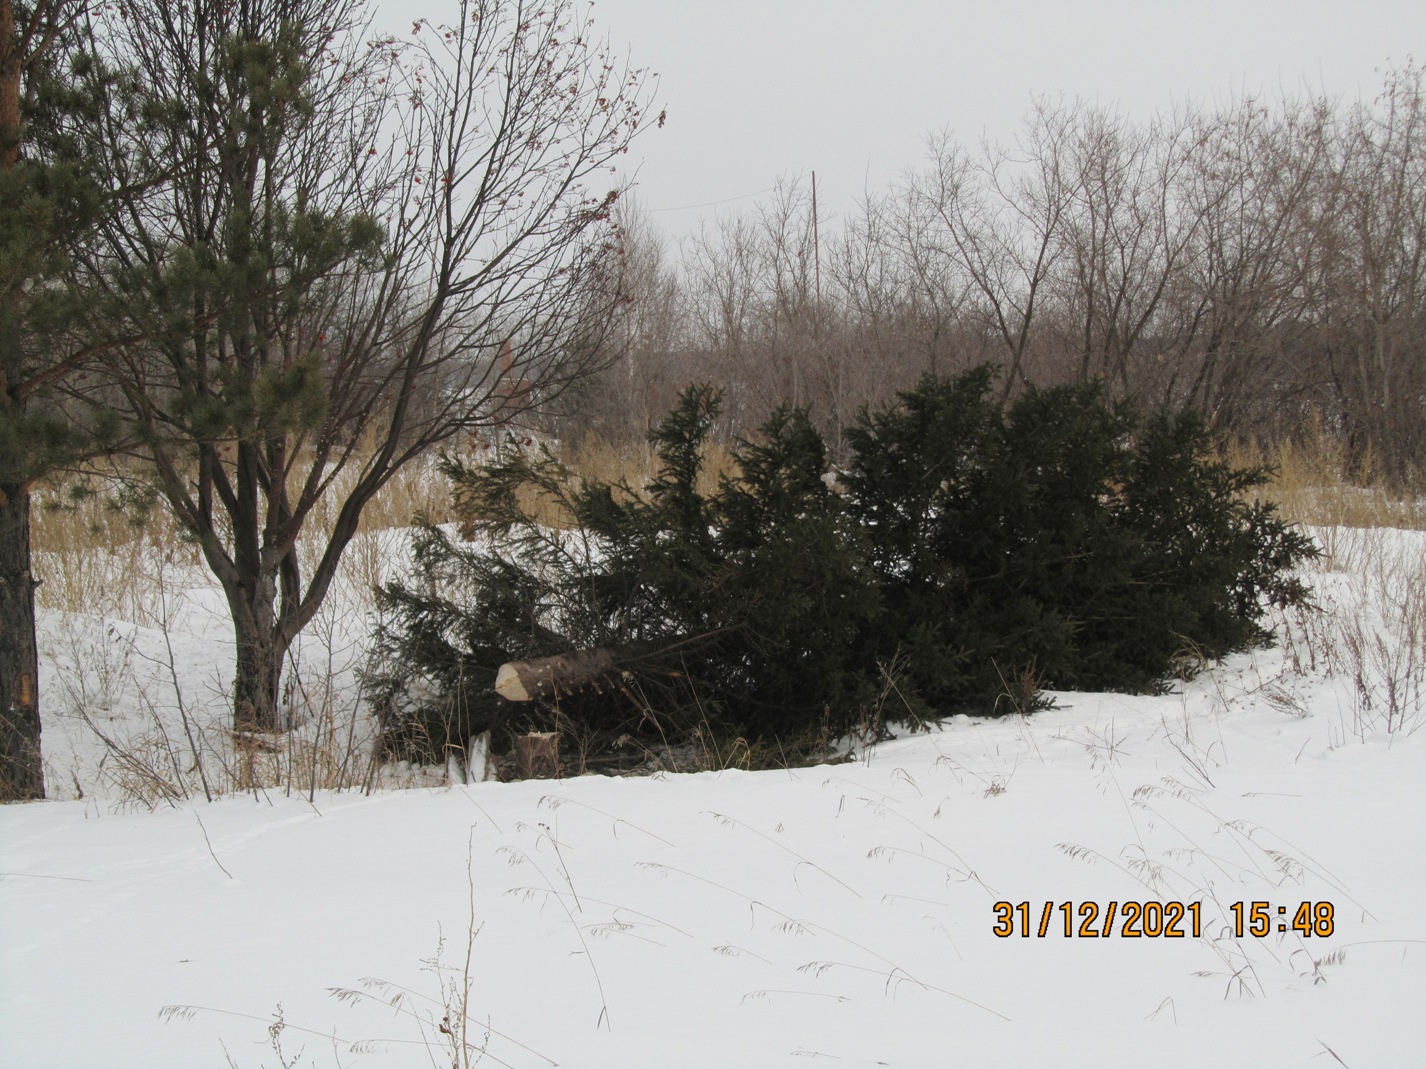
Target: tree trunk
{"type": "Point", "coordinates": [537, 756]}
{"type": "Point", "coordinates": [253, 599]}
{"type": "Point", "coordinates": [564, 673]}
{"type": "Point", "coordinates": [567, 673]}
{"type": "Point", "coordinates": [10, 65]}
{"type": "Point", "coordinates": [21, 771]}
{"type": "Point", "coordinates": [258, 670]}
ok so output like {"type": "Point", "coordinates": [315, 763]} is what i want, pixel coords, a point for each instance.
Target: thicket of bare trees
{"type": "Point", "coordinates": [1260, 261]}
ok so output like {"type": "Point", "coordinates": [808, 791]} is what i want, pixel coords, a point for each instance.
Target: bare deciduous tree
{"type": "Point", "coordinates": [1124, 242]}
{"type": "Point", "coordinates": [1374, 255]}
{"type": "Point", "coordinates": [1260, 261]}
{"type": "Point", "coordinates": [647, 335]}
{"type": "Point", "coordinates": [376, 222]}
{"type": "Point", "coordinates": [1255, 177]}
{"type": "Point", "coordinates": [1001, 216]}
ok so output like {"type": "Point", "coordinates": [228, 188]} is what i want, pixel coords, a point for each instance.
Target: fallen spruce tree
{"type": "Point", "coordinates": [970, 555]}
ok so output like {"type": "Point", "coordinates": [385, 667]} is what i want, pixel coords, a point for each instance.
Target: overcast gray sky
{"type": "Point", "coordinates": [757, 89]}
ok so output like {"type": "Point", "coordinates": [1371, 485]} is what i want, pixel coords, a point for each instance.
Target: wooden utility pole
{"type": "Point", "coordinates": [816, 257]}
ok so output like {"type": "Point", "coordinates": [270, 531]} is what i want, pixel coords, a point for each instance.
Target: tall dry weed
{"type": "Point", "coordinates": [1317, 483]}
{"type": "Point", "coordinates": [1367, 632]}
{"type": "Point", "coordinates": [636, 464]}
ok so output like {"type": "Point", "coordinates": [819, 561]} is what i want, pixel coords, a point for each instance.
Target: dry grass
{"type": "Point", "coordinates": [95, 553]}
{"type": "Point", "coordinates": [95, 549]}
{"type": "Point", "coordinates": [1367, 632]}
{"type": "Point", "coordinates": [1317, 484]}
{"type": "Point", "coordinates": [598, 460]}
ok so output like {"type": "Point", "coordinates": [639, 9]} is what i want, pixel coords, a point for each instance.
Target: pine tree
{"type": "Point", "coordinates": [983, 550]}
{"type": "Point", "coordinates": [377, 247]}
{"type": "Point", "coordinates": [1060, 541]}
{"type": "Point", "coordinates": [48, 199]}
{"type": "Point", "coordinates": [737, 611]}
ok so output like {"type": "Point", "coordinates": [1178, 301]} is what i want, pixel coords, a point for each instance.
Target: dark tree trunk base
{"type": "Point", "coordinates": [255, 688]}
{"type": "Point", "coordinates": [21, 767]}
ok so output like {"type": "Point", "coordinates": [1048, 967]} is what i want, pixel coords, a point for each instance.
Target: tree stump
{"type": "Point", "coordinates": [537, 755]}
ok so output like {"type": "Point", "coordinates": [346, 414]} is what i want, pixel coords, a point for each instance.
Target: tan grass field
{"type": "Point", "coordinates": [92, 551]}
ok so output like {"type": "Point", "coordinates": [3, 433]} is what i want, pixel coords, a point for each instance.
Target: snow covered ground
{"type": "Point", "coordinates": [843, 914]}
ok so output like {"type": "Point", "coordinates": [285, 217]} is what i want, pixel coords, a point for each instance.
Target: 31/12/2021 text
{"type": "Point", "coordinates": [1170, 920]}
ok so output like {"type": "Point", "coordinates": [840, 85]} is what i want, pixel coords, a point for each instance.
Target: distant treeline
{"type": "Point", "coordinates": [1262, 262]}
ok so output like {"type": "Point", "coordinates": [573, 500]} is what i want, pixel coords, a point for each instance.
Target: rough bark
{"type": "Point", "coordinates": [9, 87]}
{"type": "Point", "coordinates": [603, 666]}
{"type": "Point", "coordinates": [564, 673]}
{"type": "Point", "coordinates": [255, 680]}
{"type": "Point", "coordinates": [21, 770]}
{"type": "Point", "coordinates": [537, 755]}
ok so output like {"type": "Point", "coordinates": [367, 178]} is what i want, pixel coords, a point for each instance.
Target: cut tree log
{"type": "Point", "coordinates": [564, 673]}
